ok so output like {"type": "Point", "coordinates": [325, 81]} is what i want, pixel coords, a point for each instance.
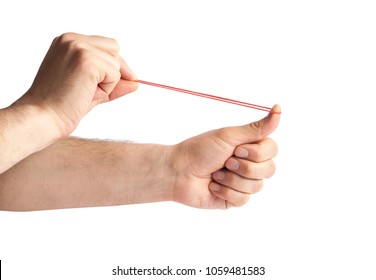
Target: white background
{"type": "Point", "coordinates": [315, 219]}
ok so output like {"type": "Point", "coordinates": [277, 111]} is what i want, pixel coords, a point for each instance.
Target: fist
{"type": "Point", "coordinates": [78, 73]}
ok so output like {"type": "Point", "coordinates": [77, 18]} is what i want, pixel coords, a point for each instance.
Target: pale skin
{"type": "Point", "coordinates": [41, 167]}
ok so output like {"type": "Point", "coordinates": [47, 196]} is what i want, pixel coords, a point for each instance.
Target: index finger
{"type": "Point", "coordinates": [126, 72]}
{"type": "Point", "coordinates": [259, 151]}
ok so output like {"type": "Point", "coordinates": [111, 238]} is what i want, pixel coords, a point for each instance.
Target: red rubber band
{"type": "Point", "coordinates": [214, 97]}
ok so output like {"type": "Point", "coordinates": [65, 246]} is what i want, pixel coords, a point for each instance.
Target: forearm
{"type": "Point", "coordinates": [24, 130]}
{"type": "Point", "coordinates": [81, 173]}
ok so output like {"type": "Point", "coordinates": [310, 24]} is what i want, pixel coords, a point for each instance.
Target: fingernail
{"type": "Point", "coordinates": [232, 164]}
{"type": "Point", "coordinates": [276, 109]}
{"type": "Point", "coordinates": [219, 175]}
{"type": "Point", "coordinates": [215, 187]}
{"type": "Point", "coordinates": [242, 153]}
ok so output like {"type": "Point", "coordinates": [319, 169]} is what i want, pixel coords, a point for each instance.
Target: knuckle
{"type": "Point", "coordinates": [265, 150]}
{"type": "Point", "coordinates": [115, 44]}
{"type": "Point", "coordinates": [272, 169]}
{"type": "Point", "coordinates": [256, 128]}
{"type": "Point", "coordinates": [242, 200]}
{"type": "Point", "coordinates": [249, 169]}
{"type": "Point", "coordinates": [82, 57]}
{"type": "Point", "coordinates": [229, 179]}
{"type": "Point", "coordinates": [276, 148]}
{"type": "Point", "coordinates": [257, 154]}
{"type": "Point", "coordinates": [272, 146]}
{"type": "Point", "coordinates": [74, 51]}
{"type": "Point", "coordinates": [66, 37]}
{"type": "Point", "coordinates": [226, 192]}
{"type": "Point", "coordinates": [118, 66]}
{"type": "Point", "coordinates": [258, 186]}
{"type": "Point", "coordinates": [116, 76]}
{"type": "Point", "coordinates": [76, 45]}
{"type": "Point", "coordinates": [77, 49]}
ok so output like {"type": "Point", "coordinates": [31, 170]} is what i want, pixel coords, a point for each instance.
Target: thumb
{"type": "Point", "coordinates": [252, 132]}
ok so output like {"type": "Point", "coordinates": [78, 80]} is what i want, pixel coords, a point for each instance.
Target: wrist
{"type": "Point", "coordinates": [146, 173]}
{"type": "Point", "coordinates": [36, 123]}
{"type": "Point", "coordinates": [24, 129]}
{"type": "Point", "coordinates": [169, 175]}
{"type": "Point", "coordinates": [56, 119]}
{"type": "Point", "coordinates": [163, 169]}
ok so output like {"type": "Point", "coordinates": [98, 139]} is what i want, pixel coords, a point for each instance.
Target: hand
{"type": "Point", "coordinates": [222, 168]}
{"type": "Point", "coordinates": [78, 73]}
